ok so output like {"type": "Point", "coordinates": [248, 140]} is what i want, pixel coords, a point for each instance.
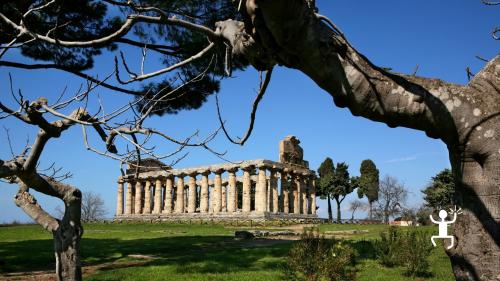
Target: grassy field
{"type": "Point", "coordinates": [187, 252]}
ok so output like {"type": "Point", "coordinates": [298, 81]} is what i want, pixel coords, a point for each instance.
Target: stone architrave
{"type": "Point", "coordinates": [179, 203]}
{"type": "Point", "coordinates": [167, 204]}
{"type": "Point", "coordinates": [192, 194]}
{"type": "Point", "coordinates": [273, 185]}
{"type": "Point", "coordinates": [247, 184]}
{"type": "Point", "coordinates": [147, 198]}
{"type": "Point", "coordinates": [217, 192]}
{"type": "Point", "coordinates": [119, 198]}
{"type": "Point", "coordinates": [128, 199]}
{"type": "Point", "coordinates": [232, 201]}
{"type": "Point", "coordinates": [260, 191]}
{"type": "Point", "coordinates": [138, 198]}
{"type": "Point", "coordinates": [204, 192]}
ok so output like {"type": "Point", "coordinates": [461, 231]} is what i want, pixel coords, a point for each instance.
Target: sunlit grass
{"type": "Point", "coordinates": [187, 252]}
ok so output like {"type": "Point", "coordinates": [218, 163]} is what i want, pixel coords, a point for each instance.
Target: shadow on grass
{"type": "Point", "coordinates": [189, 254]}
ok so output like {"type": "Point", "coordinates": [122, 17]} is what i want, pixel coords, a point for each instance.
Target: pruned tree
{"type": "Point", "coordinates": [92, 207]}
{"type": "Point", "coordinates": [355, 205]}
{"type": "Point", "coordinates": [368, 183]}
{"type": "Point", "coordinates": [23, 168]}
{"type": "Point", "coordinates": [439, 194]}
{"type": "Point", "coordinates": [326, 171]}
{"type": "Point", "coordinates": [291, 33]}
{"type": "Point", "coordinates": [391, 198]}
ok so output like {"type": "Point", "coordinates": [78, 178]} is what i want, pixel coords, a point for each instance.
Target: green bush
{"type": "Point", "coordinates": [315, 258]}
{"type": "Point", "coordinates": [409, 249]}
{"type": "Point", "coordinates": [388, 248]}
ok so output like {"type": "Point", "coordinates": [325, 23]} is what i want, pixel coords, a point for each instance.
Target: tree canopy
{"type": "Point", "coordinates": [439, 194]}
{"type": "Point", "coordinates": [368, 183]}
{"type": "Point", "coordinates": [186, 88]}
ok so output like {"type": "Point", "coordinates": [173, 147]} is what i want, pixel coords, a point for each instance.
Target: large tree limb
{"type": "Point", "coordinates": [28, 203]}
{"type": "Point", "coordinates": [292, 34]}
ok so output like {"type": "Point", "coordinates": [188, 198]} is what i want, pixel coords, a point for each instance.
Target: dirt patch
{"type": "Point", "coordinates": [48, 275]}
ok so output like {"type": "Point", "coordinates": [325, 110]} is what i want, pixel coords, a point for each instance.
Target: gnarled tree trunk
{"type": "Point", "coordinates": [466, 118]}
{"type": "Point", "coordinates": [67, 241]}
{"type": "Point", "coordinates": [66, 232]}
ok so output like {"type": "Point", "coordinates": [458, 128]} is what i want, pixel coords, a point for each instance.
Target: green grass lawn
{"type": "Point", "coordinates": [186, 252]}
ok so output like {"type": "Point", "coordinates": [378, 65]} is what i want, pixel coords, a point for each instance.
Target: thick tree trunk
{"type": "Point", "coordinates": [330, 214]}
{"type": "Point", "coordinates": [339, 216]}
{"type": "Point", "coordinates": [476, 255]}
{"type": "Point", "coordinates": [66, 232]}
{"type": "Point", "coordinates": [67, 244]}
{"type": "Point", "coordinates": [68, 265]}
{"type": "Point", "coordinates": [466, 118]}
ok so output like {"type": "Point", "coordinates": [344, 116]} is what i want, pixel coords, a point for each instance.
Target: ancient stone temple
{"type": "Point", "coordinates": [253, 189]}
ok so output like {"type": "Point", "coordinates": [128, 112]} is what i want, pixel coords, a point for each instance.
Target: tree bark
{"type": "Point", "coordinates": [466, 118]}
{"type": "Point", "coordinates": [338, 209]}
{"type": "Point", "coordinates": [330, 214]}
{"type": "Point", "coordinates": [67, 240]}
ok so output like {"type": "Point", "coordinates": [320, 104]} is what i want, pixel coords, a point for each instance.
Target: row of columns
{"type": "Point", "coordinates": [297, 194]}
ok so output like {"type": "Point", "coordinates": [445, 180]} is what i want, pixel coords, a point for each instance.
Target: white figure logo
{"type": "Point", "coordinates": [443, 225]}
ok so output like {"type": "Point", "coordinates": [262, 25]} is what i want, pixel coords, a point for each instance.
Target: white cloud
{"type": "Point", "coordinates": [403, 159]}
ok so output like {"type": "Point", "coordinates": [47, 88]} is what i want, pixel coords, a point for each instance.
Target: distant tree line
{"type": "Point", "coordinates": [386, 197]}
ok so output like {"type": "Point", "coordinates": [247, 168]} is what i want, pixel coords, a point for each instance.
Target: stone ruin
{"type": "Point", "coordinates": [250, 190]}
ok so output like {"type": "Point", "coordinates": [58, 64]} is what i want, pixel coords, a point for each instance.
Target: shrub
{"type": "Point", "coordinates": [388, 247]}
{"type": "Point", "coordinates": [404, 248]}
{"type": "Point", "coordinates": [315, 258]}
{"type": "Point", "coordinates": [417, 250]}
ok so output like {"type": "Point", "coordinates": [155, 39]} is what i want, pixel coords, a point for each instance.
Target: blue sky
{"type": "Point", "coordinates": [442, 37]}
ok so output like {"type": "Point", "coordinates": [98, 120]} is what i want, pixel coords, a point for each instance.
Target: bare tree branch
{"type": "Point", "coordinates": [255, 105]}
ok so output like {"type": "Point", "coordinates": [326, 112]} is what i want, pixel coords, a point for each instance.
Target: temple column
{"type": "Point", "coordinates": [247, 184]}
{"type": "Point", "coordinates": [167, 203]}
{"type": "Point", "coordinates": [285, 193]}
{"type": "Point", "coordinates": [260, 191]}
{"type": "Point", "coordinates": [128, 199]}
{"type": "Point", "coordinates": [304, 189]}
{"type": "Point", "coordinates": [157, 197]}
{"type": "Point", "coordinates": [232, 201]}
{"type": "Point", "coordinates": [138, 198]}
{"type": "Point", "coordinates": [147, 198]}
{"type": "Point", "coordinates": [119, 198]}
{"type": "Point", "coordinates": [217, 192]}
{"type": "Point", "coordinates": [268, 195]}
{"type": "Point", "coordinates": [192, 193]}
{"type": "Point", "coordinates": [273, 184]}
{"type": "Point", "coordinates": [179, 203]}
{"type": "Point", "coordinates": [204, 192]}
{"type": "Point", "coordinates": [296, 194]}
{"type": "Point", "coordinates": [224, 197]}
{"type": "Point", "coordinates": [313, 195]}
